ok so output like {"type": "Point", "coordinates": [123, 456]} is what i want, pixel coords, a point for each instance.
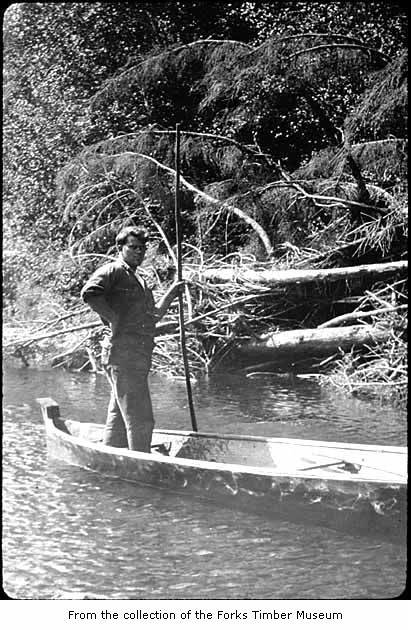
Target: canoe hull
{"type": "Point", "coordinates": [363, 507]}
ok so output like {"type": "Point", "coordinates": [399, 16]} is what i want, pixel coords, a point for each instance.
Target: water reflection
{"type": "Point", "coordinates": [66, 529]}
{"type": "Point", "coordinates": [281, 407]}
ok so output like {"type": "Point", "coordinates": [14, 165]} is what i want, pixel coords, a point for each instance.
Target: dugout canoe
{"type": "Point", "coordinates": [356, 488]}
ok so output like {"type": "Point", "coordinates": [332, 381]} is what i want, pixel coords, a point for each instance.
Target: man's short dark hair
{"type": "Point", "coordinates": [138, 231]}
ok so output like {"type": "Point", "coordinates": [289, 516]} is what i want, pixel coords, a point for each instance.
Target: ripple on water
{"type": "Point", "coordinates": [67, 530]}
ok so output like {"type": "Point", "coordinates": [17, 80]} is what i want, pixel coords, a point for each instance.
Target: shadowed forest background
{"type": "Point", "coordinates": [294, 147]}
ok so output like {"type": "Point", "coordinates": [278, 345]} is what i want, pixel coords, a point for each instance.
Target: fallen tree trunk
{"type": "Point", "coordinates": [273, 277]}
{"type": "Point", "coordinates": [308, 342]}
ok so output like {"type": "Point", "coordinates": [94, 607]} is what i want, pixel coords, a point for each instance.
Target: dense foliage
{"type": "Point", "coordinates": [59, 56]}
{"type": "Point", "coordinates": [294, 133]}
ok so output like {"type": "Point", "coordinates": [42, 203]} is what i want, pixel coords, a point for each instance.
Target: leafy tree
{"type": "Point", "coordinates": [90, 85]}
{"type": "Point", "coordinates": [56, 56]}
{"type": "Point", "coordinates": [242, 108]}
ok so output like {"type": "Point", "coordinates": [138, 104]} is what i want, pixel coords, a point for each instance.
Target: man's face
{"type": "Point", "coordinates": [133, 251]}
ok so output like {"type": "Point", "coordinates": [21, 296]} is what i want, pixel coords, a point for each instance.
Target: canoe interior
{"type": "Point", "coordinates": [359, 489]}
{"type": "Point", "coordinates": [277, 455]}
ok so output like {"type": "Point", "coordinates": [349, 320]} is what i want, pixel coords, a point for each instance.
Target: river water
{"type": "Point", "coordinates": [67, 530]}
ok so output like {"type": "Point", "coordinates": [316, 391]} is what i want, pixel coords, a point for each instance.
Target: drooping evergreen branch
{"type": "Point", "coordinates": [348, 38]}
{"type": "Point", "coordinates": [286, 38]}
{"type": "Point", "coordinates": [366, 49]}
{"type": "Point", "coordinates": [223, 204]}
{"type": "Point", "coordinates": [323, 200]}
{"type": "Point", "coordinates": [349, 203]}
{"type": "Point", "coordinates": [130, 71]}
{"type": "Point", "coordinates": [196, 134]}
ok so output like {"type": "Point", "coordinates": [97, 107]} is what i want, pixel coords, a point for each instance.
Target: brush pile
{"type": "Point", "coordinates": [380, 372]}
{"type": "Point", "coordinates": [223, 316]}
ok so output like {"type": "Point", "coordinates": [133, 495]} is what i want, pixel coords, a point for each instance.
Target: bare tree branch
{"type": "Point", "coordinates": [360, 315]}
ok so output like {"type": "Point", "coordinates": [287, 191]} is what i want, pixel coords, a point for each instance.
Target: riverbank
{"type": "Point", "coordinates": [292, 187]}
{"type": "Point", "coordinates": [223, 319]}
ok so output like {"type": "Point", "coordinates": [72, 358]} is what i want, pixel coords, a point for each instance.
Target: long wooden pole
{"type": "Point", "coordinates": [180, 277]}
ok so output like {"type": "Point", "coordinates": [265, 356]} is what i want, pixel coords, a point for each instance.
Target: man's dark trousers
{"type": "Point", "coordinates": [130, 420]}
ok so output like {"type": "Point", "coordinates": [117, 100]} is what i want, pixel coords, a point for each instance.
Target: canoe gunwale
{"type": "Point", "coordinates": [360, 506]}
{"type": "Point", "coordinates": [274, 440]}
{"type": "Point", "coordinates": [267, 472]}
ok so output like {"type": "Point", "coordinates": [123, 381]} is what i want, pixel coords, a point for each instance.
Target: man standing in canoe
{"type": "Point", "coordinates": [118, 293]}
